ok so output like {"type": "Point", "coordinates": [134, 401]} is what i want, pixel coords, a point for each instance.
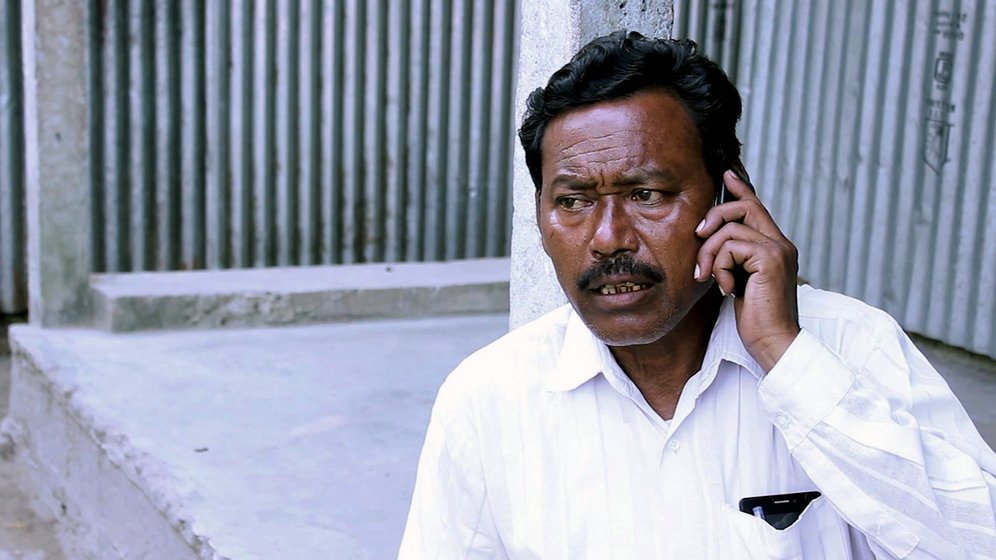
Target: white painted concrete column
{"type": "Point", "coordinates": [57, 157]}
{"type": "Point", "coordinates": [551, 32]}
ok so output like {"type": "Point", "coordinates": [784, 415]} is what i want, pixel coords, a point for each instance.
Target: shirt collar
{"type": "Point", "coordinates": [583, 356]}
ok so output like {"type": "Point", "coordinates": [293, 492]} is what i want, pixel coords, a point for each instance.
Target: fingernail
{"type": "Point", "coordinates": [695, 274]}
{"type": "Point", "coordinates": [720, 289]}
{"type": "Point", "coordinates": [701, 225]}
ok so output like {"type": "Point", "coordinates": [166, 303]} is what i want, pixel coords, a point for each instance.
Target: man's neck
{"type": "Point", "coordinates": [661, 368]}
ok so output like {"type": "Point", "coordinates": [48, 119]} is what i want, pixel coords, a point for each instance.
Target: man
{"type": "Point", "coordinates": [688, 372]}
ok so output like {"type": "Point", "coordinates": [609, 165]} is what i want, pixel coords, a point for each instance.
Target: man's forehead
{"type": "Point", "coordinates": [616, 130]}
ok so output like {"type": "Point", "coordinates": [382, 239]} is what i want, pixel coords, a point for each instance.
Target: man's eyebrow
{"type": "Point", "coordinates": [572, 181]}
{"type": "Point", "coordinates": [647, 175]}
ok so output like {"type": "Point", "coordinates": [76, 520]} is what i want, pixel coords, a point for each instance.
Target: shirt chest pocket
{"type": "Point", "coordinates": [818, 533]}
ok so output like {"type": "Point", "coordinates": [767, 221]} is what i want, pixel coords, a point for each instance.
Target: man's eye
{"type": "Point", "coordinates": [570, 202]}
{"type": "Point", "coordinates": [647, 195]}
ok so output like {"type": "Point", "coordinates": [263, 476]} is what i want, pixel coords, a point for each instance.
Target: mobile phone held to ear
{"type": "Point", "coordinates": [779, 510]}
{"type": "Point", "coordinates": [724, 193]}
{"type": "Point", "coordinates": [739, 274]}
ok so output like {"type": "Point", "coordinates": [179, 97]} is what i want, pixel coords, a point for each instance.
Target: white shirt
{"type": "Point", "coordinates": [540, 446]}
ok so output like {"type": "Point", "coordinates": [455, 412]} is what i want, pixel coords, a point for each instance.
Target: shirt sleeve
{"type": "Point", "coordinates": [889, 445]}
{"type": "Point", "coordinates": [450, 516]}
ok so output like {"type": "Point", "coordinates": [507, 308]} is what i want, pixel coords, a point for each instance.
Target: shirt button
{"type": "Point", "coordinates": [782, 421]}
{"type": "Point", "coordinates": [674, 444]}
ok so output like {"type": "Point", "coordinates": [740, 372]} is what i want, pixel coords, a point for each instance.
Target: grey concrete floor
{"type": "Point", "coordinates": [972, 378]}
{"type": "Point", "coordinates": [22, 535]}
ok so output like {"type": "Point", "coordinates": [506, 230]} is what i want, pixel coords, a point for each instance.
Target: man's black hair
{"type": "Point", "coordinates": [618, 65]}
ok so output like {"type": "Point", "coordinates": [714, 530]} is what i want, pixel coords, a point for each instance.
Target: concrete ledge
{"type": "Point", "coordinates": [269, 443]}
{"type": "Point", "coordinates": [284, 296]}
{"type": "Point", "coordinates": [84, 476]}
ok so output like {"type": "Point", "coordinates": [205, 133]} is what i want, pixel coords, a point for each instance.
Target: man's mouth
{"type": "Point", "coordinates": [622, 288]}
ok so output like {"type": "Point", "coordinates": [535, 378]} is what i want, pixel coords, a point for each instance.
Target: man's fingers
{"type": "Point", "coordinates": [732, 255]}
{"type": "Point", "coordinates": [715, 244]}
{"type": "Point", "coordinates": [749, 212]}
{"type": "Point", "coordinates": [737, 187]}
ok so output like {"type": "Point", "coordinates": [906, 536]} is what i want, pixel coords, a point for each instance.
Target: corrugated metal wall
{"type": "Point", "coordinates": [13, 281]}
{"type": "Point", "coordinates": [870, 128]}
{"type": "Point", "coordinates": [249, 133]}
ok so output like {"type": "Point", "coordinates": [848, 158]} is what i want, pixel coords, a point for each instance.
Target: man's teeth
{"type": "Point", "coordinates": [623, 288]}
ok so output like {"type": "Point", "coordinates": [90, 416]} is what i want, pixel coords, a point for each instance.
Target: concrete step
{"type": "Point", "coordinates": [268, 443]}
{"type": "Point", "coordinates": [299, 295]}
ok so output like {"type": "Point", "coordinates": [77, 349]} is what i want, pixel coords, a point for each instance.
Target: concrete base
{"type": "Point", "coordinates": [299, 295]}
{"type": "Point", "coordinates": [298, 442]}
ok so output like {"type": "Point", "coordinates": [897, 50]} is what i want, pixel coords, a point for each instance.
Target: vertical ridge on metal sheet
{"type": "Point", "coordinates": [192, 135]}
{"type": "Point", "coordinates": [13, 271]}
{"type": "Point", "coordinates": [141, 121]}
{"type": "Point", "coordinates": [371, 210]}
{"type": "Point", "coordinates": [167, 136]}
{"type": "Point", "coordinates": [949, 188]}
{"type": "Point", "coordinates": [437, 152]}
{"type": "Point", "coordinates": [332, 131]}
{"type": "Point", "coordinates": [398, 94]}
{"type": "Point", "coordinates": [847, 141]}
{"type": "Point", "coordinates": [501, 137]}
{"type": "Point", "coordinates": [416, 144]}
{"type": "Point", "coordinates": [781, 101]}
{"type": "Point", "coordinates": [869, 134]}
{"type": "Point", "coordinates": [879, 179]}
{"type": "Point", "coordinates": [799, 212]}
{"type": "Point", "coordinates": [456, 171]}
{"type": "Point", "coordinates": [679, 27]}
{"type": "Point", "coordinates": [239, 132]}
{"type": "Point", "coordinates": [963, 250]}
{"type": "Point", "coordinates": [115, 129]}
{"type": "Point", "coordinates": [96, 21]}
{"type": "Point", "coordinates": [218, 105]}
{"type": "Point", "coordinates": [966, 244]}
{"type": "Point", "coordinates": [353, 133]}
{"type": "Point", "coordinates": [309, 130]}
{"type": "Point", "coordinates": [937, 216]}
{"type": "Point", "coordinates": [286, 130]}
{"type": "Point", "coordinates": [478, 128]}
{"type": "Point", "coordinates": [147, 52]}
{"type": "Point", "coordinates": [263, 134]}
{"type": "Point", "coordinates": [906, 248]}
{"type": "Point", "coordinates": [916, 268]}
{"type": "Point", "coordinates": [983, 282]}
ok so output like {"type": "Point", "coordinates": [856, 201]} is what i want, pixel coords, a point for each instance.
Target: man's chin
{"type": "Point", "coordinates": [646, 324]}
{"type": "Point", "coordinates": [625, 333]}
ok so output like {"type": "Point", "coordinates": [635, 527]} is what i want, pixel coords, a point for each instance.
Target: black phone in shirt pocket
{"type": "Point", "coordinates": [778, 510]}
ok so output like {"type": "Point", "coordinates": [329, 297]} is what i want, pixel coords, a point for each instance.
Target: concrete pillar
{"type": "Point", "coordinates": [57, 158]}
{"type": "Point", "coordinates": [551, 32]}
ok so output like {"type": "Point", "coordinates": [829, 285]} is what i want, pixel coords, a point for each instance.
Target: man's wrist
{"type": "Point", "coordinates": [770, 349]}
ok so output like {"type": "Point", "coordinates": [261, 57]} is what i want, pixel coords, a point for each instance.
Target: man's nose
{"type": "Point", "coordinates": [614, 232]}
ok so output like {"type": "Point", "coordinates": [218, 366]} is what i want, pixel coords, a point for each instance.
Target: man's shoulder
{"type": "Point", "coordinates": [515, 362]}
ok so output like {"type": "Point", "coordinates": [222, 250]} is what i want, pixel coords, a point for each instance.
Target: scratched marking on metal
{"type": "Point", "coordinates": [947, 26]}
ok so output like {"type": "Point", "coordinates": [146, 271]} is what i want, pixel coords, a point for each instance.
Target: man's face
{"type": "Point", "coordinates": [624, 185]}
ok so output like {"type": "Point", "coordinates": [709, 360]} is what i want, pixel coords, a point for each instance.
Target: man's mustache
{"type": "Point", "coordinates": [617, 266]}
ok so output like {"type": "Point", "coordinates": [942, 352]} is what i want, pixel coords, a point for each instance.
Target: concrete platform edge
{"type": "Point", "coordinates": [277, 297]}
{"type": "Point", "coordinates": [109, 500]}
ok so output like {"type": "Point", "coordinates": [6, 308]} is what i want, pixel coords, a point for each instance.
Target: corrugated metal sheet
{"type": "Point", "coordinates": [243, 133]}
{"type": "Point", "coordinates": [13, 279]}
{"type": "Point", "coordinates": [870, 128]}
